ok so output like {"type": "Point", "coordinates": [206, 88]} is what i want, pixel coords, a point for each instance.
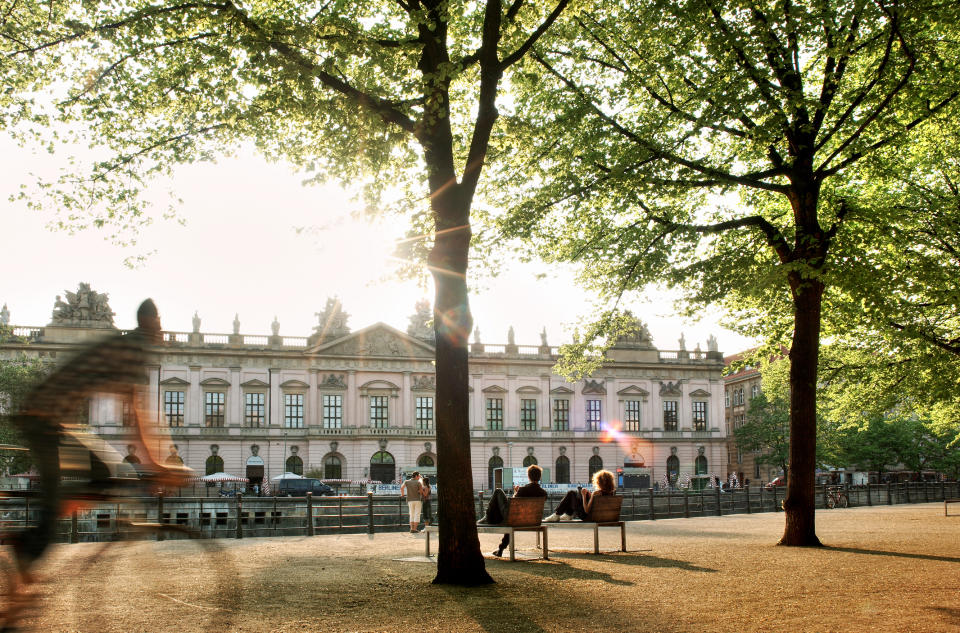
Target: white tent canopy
{"type": "Point", "coordinates": [223, 477]}
{"type": "Point", "coordinates": [286, 476]}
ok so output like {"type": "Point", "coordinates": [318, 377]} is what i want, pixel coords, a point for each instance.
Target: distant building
{"type": "Point", "coordinates": [360, 404]}
{"type": "Point", "coordinates": [739, 388]}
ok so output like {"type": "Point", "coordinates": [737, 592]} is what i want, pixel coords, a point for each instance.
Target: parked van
{"type": "Point", "coordinates": [300, 488]}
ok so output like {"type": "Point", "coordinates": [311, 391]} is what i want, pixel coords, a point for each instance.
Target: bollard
{"type": "Point", "coordinates": [160, 535]}
{"type": "Point", "coordinates": [370, 512]}
{"type": "Point", "coordinates": [309, 514]}
{"type": "Point", "coordinates": [239, 499]}
{"type": "Point", "coordinates": [719, 509]}
{"type": "Point", "coordinates": [653, 516]}
{"type": "Point", "coordinates": [74, 528]}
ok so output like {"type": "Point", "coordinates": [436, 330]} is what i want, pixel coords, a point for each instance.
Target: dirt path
{"type": "Point", "coordinates": [891, 569]}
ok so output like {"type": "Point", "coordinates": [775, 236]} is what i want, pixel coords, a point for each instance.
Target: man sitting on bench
{"type": "Point", "coordinates": [577, 505]}
{"type": "Point", "coordinates": [498, 506]}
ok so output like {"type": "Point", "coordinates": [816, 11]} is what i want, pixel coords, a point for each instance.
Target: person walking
{"type": "Point", "coordinates": [412, 489]}
{"type": "Point", "coordinates": [427, 509]}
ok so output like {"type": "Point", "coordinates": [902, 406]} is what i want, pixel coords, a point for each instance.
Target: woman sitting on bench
{"type": "Point", "coordinates": [577, 503]}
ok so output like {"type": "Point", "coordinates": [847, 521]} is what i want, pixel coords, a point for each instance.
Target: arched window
{"type": "Point", "coordinates": [561, 473]}
{"type": "Point", "coordinates": [673, 469]}
{"type": "Point", "coordinates": [214, 464]}
{"type": "Point", "coordinates": [700, 465]}
{"type": "Point", "coordinates": [383, 468]}
{"type": "Point", "coordinates": [295, 465]}
{"type": "Point", "coordinates": [529, 460]}
{"type": "Point", "coordinates": [495, 462]}
{"type": "Point", "coordinates": [332, 468]}
{"type": "Point", "coordinates": [425, 460]}
{"type": "Point", "coordinates": [595, 464]}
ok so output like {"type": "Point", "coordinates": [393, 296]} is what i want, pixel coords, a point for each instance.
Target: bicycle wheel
{"type": "Point", "coordinates": [844, 502]}
{"type": "Point", "coordinates": [184, 583]}
{"type": "Point", "coordinates": [830, 502]}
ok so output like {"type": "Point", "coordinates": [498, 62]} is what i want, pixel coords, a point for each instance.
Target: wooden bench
{"type": "Point", "coordinates": [946, 501]}
{"type": "Point", "coordinates": [605, 512]}
{"type": "Point", "coordinates": [523, 515]}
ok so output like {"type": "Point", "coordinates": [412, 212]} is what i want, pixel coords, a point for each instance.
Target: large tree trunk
{"type": "Point", "coordinates": [800, 504]}
{"type": "Point", "coordinates": [459, 560]}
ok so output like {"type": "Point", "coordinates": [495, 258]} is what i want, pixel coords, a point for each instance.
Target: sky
{"type": "Point", "coordinates": [240, 253]}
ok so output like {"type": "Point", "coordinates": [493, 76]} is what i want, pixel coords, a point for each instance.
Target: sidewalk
{"type": "Point", "coordinates": [893, 569]}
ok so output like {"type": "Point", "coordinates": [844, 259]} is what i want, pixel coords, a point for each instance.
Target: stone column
{"type": "Point", "coordinates": [194, 413]}
{"type": "Point", "coordinates": [478, 403]}
{"type": "Point", "coordinates": [405, 419]}
{"type": "Point", "coordinates": [351, 401]}
{"type": "Point", "coordinates": [275, 412]}
{"type": "Point", "coordinates": [312, 415]}
{"type": "Point", "coordinates": [235, 413]}
{"type": "Point", "coordinates": [545, 412]}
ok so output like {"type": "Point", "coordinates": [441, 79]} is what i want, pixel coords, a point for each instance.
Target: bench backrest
{"type": "Point", "coordinates": [524, 511]}
{"type": "Point", "coordinates": [605, 509]}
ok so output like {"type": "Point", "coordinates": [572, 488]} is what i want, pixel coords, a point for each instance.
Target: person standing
{"type": "Point", "coordinates": [427, 506]}
{"type": "Point", "coordinates": [412, 490]}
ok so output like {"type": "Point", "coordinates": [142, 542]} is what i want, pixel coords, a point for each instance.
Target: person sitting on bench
{"type": "Point", "coordinates": [577, 503]}
{"type": "Point", "coordinates": [498, 506]}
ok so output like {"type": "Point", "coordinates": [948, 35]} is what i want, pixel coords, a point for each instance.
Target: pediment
{"type": "Point", "coordinates": [294, 384]}
{"type": "Point", "coordinates": [382, 385]}
{"type": "Point", "coordinates": [378, 340]}
{"type": "Point", "coordinates": [633, 390]}
{"type": "Point", "coordinates": [175, 382]}
{"type": "Point", "coordinates": [561, 390]}
{"type": "Point", "coordinates": [214, 382]}
{"type": "Point", "coordinates": [494, 389]}
{"type": "Point", "coordinates": [699, 393]}
{"type": "Point", "coordinates": [254, 384]}
{"type": "Point", "coordinates": [528, 389]}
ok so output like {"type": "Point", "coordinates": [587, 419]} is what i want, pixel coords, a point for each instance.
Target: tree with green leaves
{"type": "Point", "coordinates": [387, 93]}
{"type": "Point", "coordinates": [17, 377]}
{"type": "Point", "coordinates": [715, 147]}
{"type": "Point", "coordinates": [766, 431]}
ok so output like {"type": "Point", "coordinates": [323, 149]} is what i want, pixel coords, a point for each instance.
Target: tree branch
{"type": "Point", "coordinates": [518, 54]}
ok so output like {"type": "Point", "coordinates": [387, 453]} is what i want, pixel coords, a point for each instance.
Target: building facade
{"type": "Point", "coordinates": [740, 386]}
{"type": "Point", "coordinates": [359, 405]}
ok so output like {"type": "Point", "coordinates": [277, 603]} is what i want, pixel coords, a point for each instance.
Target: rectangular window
{"type": "Point", "coordinates": [669, 415]}
{"type": "Point", "coordinates": [726, 398]}
{"type": "Point", "coordinates": [754, 391]}
{"type": "Point", "coordinates": [561, 415]}
{"type": "Point", "coordinates": [378, 412]}
{"type": "Point", "coordinates": [631, 415]}
{"type": "Point", "coordinates": [126, 414]}
{"type": "Point", "coordinates": [495, 414]}
{"type": "Point", "coordinates": [699, 416]}
{"type": "Point", "coordinates": [593, 415]}
{"type": "Point", "coordinates": [213, 408]}
{"type": "Point", "coordinates": [424, 412]}
{"type": "Point", "coordinates": [173, 407]}
{"type": "Point", "coordinates": [332, 411]}
{"type": "Point", "coordinates": [293, 410]}
{"type": "Point", "coordinates": [528, 414]}
{"type": "Point", "coordinates": [253, 409]}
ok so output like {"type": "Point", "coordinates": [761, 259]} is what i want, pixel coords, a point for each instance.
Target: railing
{"type": "Point", "coordinates": [277, 516]}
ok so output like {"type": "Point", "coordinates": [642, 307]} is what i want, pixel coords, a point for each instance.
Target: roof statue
{"type": "Point", "coordinates": [476, 334]}
{"type": "Point", "coordinates": [712, 345]}
{"type": "Point", "coordinates": [196, 321]}
{"type": "Point", "coordinates": [5, 316]}
{"type": "Point", "coordinates": [511, 337]}
{"type": "Point", "coordinates": [543, 337]}
{"type": "Point", "coordinates": [83, 308]}
{"type": "Point", "coordinates": [275, 326]}
{"type": "Point", "coordinates": [332, 322]}
{"type": "Point", "coordinates": [636, 335]}
{"type": "Point", "coordinates": [236, 323]}
{"type": "Point", "coordinates": [683, 342]}
{"type": "Point", "coordinates": [421, 322]}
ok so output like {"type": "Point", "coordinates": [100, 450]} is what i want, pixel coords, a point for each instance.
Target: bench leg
{"type": "Point", "coordinates": [546, 555]}
{"type": "Point", "coordinates": [513, 547]}
{"type": "Point", "coordinates": [596, 539]}
{"type": "Point", "coordinates": [623, 537]}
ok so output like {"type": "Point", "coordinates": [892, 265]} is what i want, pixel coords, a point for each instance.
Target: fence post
{"type": "Point", "coordinates": [776, 508]}
{"type": "Point", "coordinates": [746, 489]}
{"type": "Point", "coordinates": [74, 528]}
{"type": "Point", "coordinates": [717, 494]}
{"type": "Point", "coordinates": [309, 514]}
{"type": "Point", "coordinates": [669, 504]}
{"type": "Point", "coordinates": [160, 535]}
{"type": "Point", "coordinates": [825, 495]}
{"type": "Point", "coordinates": [276, 516]}
{"type": "Point", "coordinates": [340, 510]}
{"type": "Point", "coordinates": [370, 512]}
{"type": "Point", "coordinates": [869, 495]}
{"type": "Point", "coordinates": [653, 516]}
{"type": "Point", "coordinates": [889, 493]}
{"type": "Point", "coordinates": [479, 504]}
{"type": "Point", "coordinates": [686, 503]}
{"type": "Point", "coordinates": [239, 499]}
{"type": "Point", "coordinates": [926, 491]}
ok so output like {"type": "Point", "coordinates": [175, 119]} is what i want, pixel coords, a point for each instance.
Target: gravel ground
{"type": "Point", "coordinates": [891, 569]}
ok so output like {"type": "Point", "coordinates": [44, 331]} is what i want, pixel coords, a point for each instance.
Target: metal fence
{"type": "Point", "coordinates": [241, 516]}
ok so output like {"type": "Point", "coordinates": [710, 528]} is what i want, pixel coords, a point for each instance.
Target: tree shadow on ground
{"type": "Point", "coordinates": [559, 570]}
{"type": "Point", "coordinates": [477, 602]}
{"type": "Point", "coordinates": [639, 560]}
{"type": "Point", "coordinates": [876, 552]}
{"type": "Point", "coordinates": [951, 614]}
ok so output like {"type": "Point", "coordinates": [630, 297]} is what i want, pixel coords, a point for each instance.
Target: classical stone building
{"type": "Point", "coordinates": [360, 404]}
